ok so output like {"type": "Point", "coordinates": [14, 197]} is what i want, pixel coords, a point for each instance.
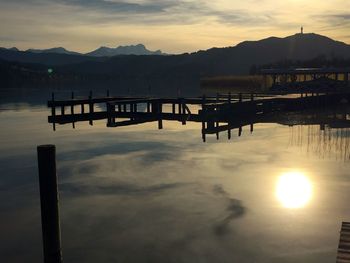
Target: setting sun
{"type": "Point", "coordinates": [293, 190]}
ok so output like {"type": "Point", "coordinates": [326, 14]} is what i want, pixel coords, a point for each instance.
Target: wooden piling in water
{"type": "Point", "coordinates": [91, 108]}
{"type": "Point", "coordinates": [160, 121]}
{"type": "Point", "coordinates": [53, 110]}
{"type": "Point", "coordinates": [72, 111]}
{"type": "Point", "coordinates": [49, 204]}
{"type": "Point", "coordinates": [180, 106]}
{"type": "Point", "coordinates": [183, 112]}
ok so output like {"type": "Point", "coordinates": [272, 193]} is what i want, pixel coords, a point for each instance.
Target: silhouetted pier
{"type": "Point", "coordinates": [344, 244]}
{"type": "Point", "coordinates": [224, 112]}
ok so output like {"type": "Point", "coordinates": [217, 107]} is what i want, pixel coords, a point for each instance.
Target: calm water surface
{"type": "Point", "coordinates": [138, 194]}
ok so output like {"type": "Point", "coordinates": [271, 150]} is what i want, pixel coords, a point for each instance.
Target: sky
{"type": "Point", "coordinates": [173, 26]}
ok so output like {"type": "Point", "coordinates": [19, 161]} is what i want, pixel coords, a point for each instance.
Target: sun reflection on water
{"type": "Point", "coordinates": [293, 189]}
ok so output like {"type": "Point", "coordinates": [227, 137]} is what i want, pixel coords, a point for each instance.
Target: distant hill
{"type": "Point", "coordinates": [215, 61]}
{"type": "Point", "coordinates": [62, 56]}
{"type": "Point", "coordinates": [138, 49]}
{"type": "Point", "coordinates": [56, 50]}
{"type": "Point", "coordinates": [221, 61]}
{"type": "Point", "coordinates": [50, 59]}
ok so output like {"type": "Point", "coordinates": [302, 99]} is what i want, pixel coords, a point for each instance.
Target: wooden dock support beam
{"type": "Point", "coordinates": [180, 106]}
{"type": "Point", "coordinates": [53, 111]}
{"type": "Point", "coordinates": [160, 121]}
{"type": "Point", "coordinates": [72, 111]}
{"type": "Point", "coordinates": [183, 112]}
{"type": "Point", "coordinates": [49, 204]}
{"type": "Point", "coordinates": [91, 108]}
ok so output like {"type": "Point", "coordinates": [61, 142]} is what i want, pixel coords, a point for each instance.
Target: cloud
{"type": "Point", "coordinates": [174, 26]}
{"type": "Point", "coordinates": [334, 20]}
{"type": "Point", "coordinates": [121, 6]}
{"type": "Point", "coordinates": [234, 210]}
{"type": "Point", "coordinates": [116, 189]}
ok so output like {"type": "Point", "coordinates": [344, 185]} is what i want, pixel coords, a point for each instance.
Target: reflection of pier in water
{"type": "Point", "coordinates": [328, 136]}
{"type": "Point", "coordinates": [223, 113]}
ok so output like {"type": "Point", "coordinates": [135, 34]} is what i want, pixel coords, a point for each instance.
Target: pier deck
{"type": "Point", "coordinates": [232, 111]}
{"type": "Point", "coordinates": [344, 244]}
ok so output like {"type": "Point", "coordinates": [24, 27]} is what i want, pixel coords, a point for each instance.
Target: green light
{"type": "Point", "coordinates": [50, 70]}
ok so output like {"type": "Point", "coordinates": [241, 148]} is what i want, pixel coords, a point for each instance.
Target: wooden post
{"type": "Point", "coordinates": [53, 111]}
{"type": "Point", "coordinates": [50, 222]}
{"type": "Point", "coordinates": [229, 133]}
{"type": "Point", "coordinates": [124, 107]}
{"type": "Point", "coordinates": [217, 132]}
{"type": "Point", "coordinates": [160, 121]}
{"type": "Point", "coordinates": [62, 110]}
{"type": "Point", "coordinates": [183, 112]}
{"type": "Point", "coordinates": [180, 107]}
{"type": "Point", "coordinates": [217, 108]}
{"type": "Point", "coordinates": [202, 114]}
{"type": "Point", "coordinates": [148, 107]}
{"type": "Point", "coordinates": [173, 108]}
{"type": "Point", "coordinates": [240, 131]}
{"type": "Point", "coordinates": [109, 114]}
{"type": "Point", "coordinates": [203, 101]}
{"type": "Point", "coordinates": [72, 111]}
{"type": "Point", "coordinates": [91, 108]}
{"type": "Point", "coordinates": [203, 136]}
{"type": "Point", "coordinates": [82, 108]}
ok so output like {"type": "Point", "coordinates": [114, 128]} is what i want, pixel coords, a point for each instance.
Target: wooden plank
{"type": "Point", "coordinates": [68, 118]}
{"type": "Point", "coordinates": [70, 102]}
{"type": "Point", "coordinates": [343, 255]}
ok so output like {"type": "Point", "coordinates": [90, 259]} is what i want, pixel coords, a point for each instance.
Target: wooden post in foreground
{"type": "Point", "coordinates": [49, 204]}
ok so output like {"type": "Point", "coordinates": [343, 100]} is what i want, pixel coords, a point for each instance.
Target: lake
{"type": "Point", "coordinates": [139, 194]}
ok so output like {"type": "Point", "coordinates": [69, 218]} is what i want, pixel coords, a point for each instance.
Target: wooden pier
{"type": "Point", "coordinates": [344, 244]}
{"type": "Point", "coordinates": [217, 114]}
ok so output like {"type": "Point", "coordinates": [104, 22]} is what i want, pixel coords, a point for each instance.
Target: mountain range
{"type": "Point", "coordinates": [234, 60]}
{"type": "Point", "coordinates": [138, 49]}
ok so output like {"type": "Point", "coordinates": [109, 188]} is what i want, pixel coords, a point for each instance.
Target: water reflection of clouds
{"type": "Point", "coordinates": [138, 194]}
